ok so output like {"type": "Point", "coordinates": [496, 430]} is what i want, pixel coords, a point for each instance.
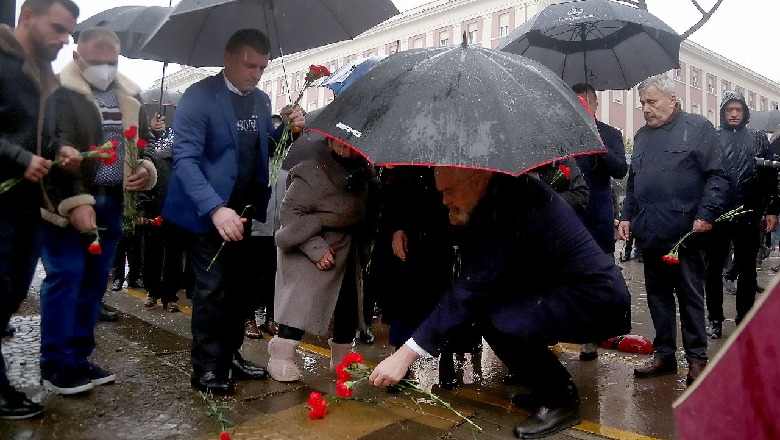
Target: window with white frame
{"type": "Point", "coordinates": [752, 100]}
{"type": "Point", "coordinates": [695, 109]}
{"type": "Point", "coordinates": [711, 117]}
{"type": "Point", "coordinates": [503, 25]}
{"type": "Point", "coordinates": [710, 84]}
{"type": "Point", "coordinates": [775, 105]}
{"type": "Point", "coordinates": [678, 75]}
{"type": "Point", "coordinates": [472, 33]}
{"type": "Point", "coordinates": [695, 77]}
{"type": "Point", "coordinates": [444, 38]}
{"type": "Point", "coordinates": [417, 43]}
{"type": "Point", "coordinates": [617, 96]}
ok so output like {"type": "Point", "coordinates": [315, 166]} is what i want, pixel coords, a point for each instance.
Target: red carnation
{"type": "Point", "coordinates": [94, 248]}
{"type": "Point", "coordinates": [141, 143]}
{"type": "Point", "coordinates": [224, 435]}
{"type": "Point", "coordinates": [94, 148]}
{"type": "Point", "coordinates": [342, 389]}
{"type": "Point", "coordinates": [131, 132]}
{"type": "Point", "coordinates": [324, 71]}
{"type": "Point", "coordinates": [565, 170]}
{"type": "Point", "coordinates": [114, 143]}
{"type": "Point", "coordinates": [110, 159]}
{"type": "Point", "coordinates": [315, 399]}
{"type": "Point", "coordinates": [341, 373]}
{"type": "Point", "coordinates": [318, 412]}
{"type": "Point", "coordinates": [352, 358]}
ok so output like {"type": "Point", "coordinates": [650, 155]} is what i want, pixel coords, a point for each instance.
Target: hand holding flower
{"type": "Point", "coordinates": [700, 225]}
{"type": "Point", "coordinates": [83, 218]}
{"type": "Point", "coordinates": [37, 168]}
{"type": "Point", "coordinates": [229, 224]}
{"type": "Point", "coordinates": [69, 158]}
{"type": "Point", "coordinates": [391, 370]}
{"type": "Point", "coordinates": [138, 180]}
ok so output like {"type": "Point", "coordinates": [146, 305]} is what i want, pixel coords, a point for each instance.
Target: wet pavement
{"type": "Point", "coordinates": [152, 398]}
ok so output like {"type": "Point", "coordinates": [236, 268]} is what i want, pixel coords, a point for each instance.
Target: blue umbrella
{"type": "Point", "coordinates": [345, 75]}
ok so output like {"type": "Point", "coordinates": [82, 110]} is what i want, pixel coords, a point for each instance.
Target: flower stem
{"type": "Point", "coordinates": [224, 241]}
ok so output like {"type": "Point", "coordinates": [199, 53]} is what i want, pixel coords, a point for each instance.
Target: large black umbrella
{"type": "Point", "coordinates": [606, 44]}
{"type": "Point", "coordinates": [196, 31]}
{"type": "Point", "coordinates": [133, 25]}
{"type": "Point", "coordinates": [461, 106]}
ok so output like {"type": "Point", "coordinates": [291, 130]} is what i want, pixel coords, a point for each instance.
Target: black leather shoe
{"type": "Point", "coordinates": [589, 352]}
{"type": "Point", "coordinates": [116, 285]}
{"type": "Point", "coordinates": [547, 421]}
{"type": "Point", "coordinates": [107, 315]}
{"type": "Point", "coordinates": [9, 330]}
{"type": "Point", "coordinates": [212, 382]}
{"type": "Point", "coordinates": [366, 336]}
{"type": "Point", "coordinates": [244, 370]}
{"type": "Point", "coordinates": [656, 367]}
{"type": "Point", "coordinates": [136, 284]}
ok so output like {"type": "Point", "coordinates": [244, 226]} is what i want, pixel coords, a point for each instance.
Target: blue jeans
{"type": "Point", "coordinates": [73, 289]}
{"type": "Point", "coordinates": [19, 252]}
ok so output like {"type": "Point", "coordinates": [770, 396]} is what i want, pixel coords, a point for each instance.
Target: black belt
{"type": "Point", "coordinates": [113, 191]}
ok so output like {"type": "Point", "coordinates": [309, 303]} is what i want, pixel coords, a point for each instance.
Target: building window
{"type": "Point", "coordinates": [678, 75]}
{"type": "Point", "coordinates": [444, 38]}
{"type": "Point", "coordinates": [740, 90]}
{"type": "Point", "coordinates": [763, 104]}
{"type": "Point", "coordinates": [503, 25]}
{"type": "Point", "coordinates": [472, 33]}
{"type": "Point", "coordinates": [682, 103]}
{"type": "Point", "coordinates": [695, 109]}
{"type": "Point", "coordinates": [393, 47]}
{"type": "Point", "coordinates": [617, 96]}
{"type": "Point", "coordinates": [752, 100]}
{"type": "Point", "coordinates": [297, 83]}
{"type": "Point", "coordinates": [711, 117]}
{"type": "Point", "coordinates": [417, 43]}
{"type": "Point", "coordinates": [775, 105]}
{"type": "Point", "coordinates": [695, 78]}
{"type": "Point", "coordinates": [710, 84]}
{"type": "Point", "coordinates": [725, 85]}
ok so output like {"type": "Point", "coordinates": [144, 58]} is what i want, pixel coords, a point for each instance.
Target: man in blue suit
{"type": "Point", "coordinates": [224, 137]}
{"type": "Point", "coordinates": [531, 275]}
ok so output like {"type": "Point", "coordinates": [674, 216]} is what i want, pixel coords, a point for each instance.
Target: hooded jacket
{"type": "Point", "coordinates": [24, 85]}
{"type": "Point", "coordinates": [753, 187]}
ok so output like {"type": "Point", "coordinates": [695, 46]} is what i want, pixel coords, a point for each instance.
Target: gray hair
{"type": "Point", "coordinates": [660, 82]}
{"type": "Point", "coordinates": [101, 37]}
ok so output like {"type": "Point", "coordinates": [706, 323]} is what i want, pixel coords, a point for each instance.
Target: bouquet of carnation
{"type": "Point", "coordinates": [283, 147]}
{"type": "Point", "coordinates": [351, 371]}
{"type": "Point", "coordinates": [133, 145]}
{"type": "Point", "coordinates": [105, 153]}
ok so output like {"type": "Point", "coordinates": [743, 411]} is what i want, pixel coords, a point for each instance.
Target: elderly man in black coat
{"type": "Point", "coordinates": [676, 184]}
{"type": "Point", "coordinates": [531, 275]}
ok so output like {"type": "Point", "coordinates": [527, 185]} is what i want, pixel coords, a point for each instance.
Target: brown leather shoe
{"type": "Point", "coordinates": [251, 331]}
{"type": "Point", "coordinates": [694, 371]}
{"type": "Point", "coordinates": [657, 366]}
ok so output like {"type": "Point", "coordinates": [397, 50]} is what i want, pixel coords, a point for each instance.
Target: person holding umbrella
{"type": "Point", "coordinates": [224, 133]}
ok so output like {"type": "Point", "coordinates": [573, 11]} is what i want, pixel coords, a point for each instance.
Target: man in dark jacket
{"type": "Point", "coordinates": [754, 189]}
{"type": "Point", "coordinates": [676, 184]}
{"type": "Point", "coordinates": [26, 79]}
{"type": "Point", "coordinates": [599, 170]}
{"type": "Point", "coordinates": [94, 105]}
{"type": "Point", "coordinates": [531, 275]}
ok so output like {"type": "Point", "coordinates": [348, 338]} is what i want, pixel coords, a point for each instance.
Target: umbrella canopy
{"type": "Point", "coordinates": [460, 106]}
{"type": "Point", "coordinates": [133, 25]}
{"type": "Point", "coordinates": [743, 375]}
{"type": "Point", "coordinates": [766, 120]}
{"type": "Point", "coordinates": [196, 31]}
{"type": "Point", "coordinates": [349, 73]}
{"type": "Point", "coordinates": [606, 44]}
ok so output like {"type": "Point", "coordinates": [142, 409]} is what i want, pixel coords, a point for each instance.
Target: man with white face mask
{"type": "Point", "coordinates": [94, 105]}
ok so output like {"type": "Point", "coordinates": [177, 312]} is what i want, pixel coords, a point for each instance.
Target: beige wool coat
{"type": "Point", "coordinates": [317, 214]}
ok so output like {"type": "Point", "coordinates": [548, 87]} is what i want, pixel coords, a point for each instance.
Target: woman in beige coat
{"type": "Point", "coordinates": [321, 245]}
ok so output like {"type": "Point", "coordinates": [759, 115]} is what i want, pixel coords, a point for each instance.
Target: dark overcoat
{"type": "Point", "coordinates": [530, 269]}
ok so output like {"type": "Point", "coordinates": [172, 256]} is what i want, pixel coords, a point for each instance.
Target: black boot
{"type": "Point", "coordinates": [107, 314]}
{"type": "Point", "coordinates": [15, 405]}
{"type": "Point", "coordinates": [448, 377]}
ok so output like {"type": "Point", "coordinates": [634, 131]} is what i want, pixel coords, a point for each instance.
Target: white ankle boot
{"type": "Point", "coordinates": [338, 351]}
{"type": "Point", "coordinates": [281, 365]}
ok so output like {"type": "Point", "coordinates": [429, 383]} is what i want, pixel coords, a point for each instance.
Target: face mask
{"type": "Point", "coordinates": [100, 76]}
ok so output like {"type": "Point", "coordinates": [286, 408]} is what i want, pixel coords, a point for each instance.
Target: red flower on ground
{"type": "Point", "coordinates": [94, 248]}
{"type": "Point", "coordinates": [352, 358]}
{"type": "Point", "coordinates": [342, 389]}
{"type": "Point", "coordinates": [315, 399]}
{"type": "Point", "coordinates": [224, 435]}
{"type": "Point", "coordinates": [318, 412]}
{"type": "Point", "coordinates": [141, 143]}
{"type": "Point", "coordinates": [341, 373]}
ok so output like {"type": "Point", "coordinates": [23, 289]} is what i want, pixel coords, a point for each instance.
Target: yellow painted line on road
{"type": "Point", "coordinates": [585, 426]}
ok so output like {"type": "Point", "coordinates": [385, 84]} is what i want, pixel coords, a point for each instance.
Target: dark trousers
{"type": "Point", "coordinates": [164, 254]}
{"type": "Point", "coordinates": [685, 281]}
{"type": "Point", "coordinates": [345, 315]}
{"type": "Point", "coordinates": [131, 247]}
{"type": "Point", "coordinates": [20, 248]}
{"type": "Point", "coordinates": [537, 367]}
{"type": "Point", "coordinates": [260, 266]}
{"type": "Point", "coordinates": [742, 232]}
{"type": "Point", "coordinates": [74, 286]}
{"type": "Point", "coordinates": [219, 304]}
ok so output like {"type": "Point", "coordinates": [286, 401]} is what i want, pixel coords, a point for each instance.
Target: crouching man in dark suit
{"type": "Point", "coordinates": [531, 275]}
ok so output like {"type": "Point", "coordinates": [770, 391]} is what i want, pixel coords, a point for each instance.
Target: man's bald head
{"type": "Point", "coordinates": [461, 189]}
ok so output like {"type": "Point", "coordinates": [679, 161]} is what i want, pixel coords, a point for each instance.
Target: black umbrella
{"type": "Point", "coordinates": [461, 106]}
{"type": "Point", "coordinates": [133, 25]}
{"type": "Point", "coordinates": [606, 44]}
{"type": "Point", "coordinates": [196, 31]}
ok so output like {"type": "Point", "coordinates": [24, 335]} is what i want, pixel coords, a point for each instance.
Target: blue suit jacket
{"type": "Point", "coordinates": [205, 154]}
